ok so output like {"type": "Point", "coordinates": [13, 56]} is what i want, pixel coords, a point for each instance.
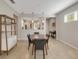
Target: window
{"type": "Point", "coordinates": [70, 17]}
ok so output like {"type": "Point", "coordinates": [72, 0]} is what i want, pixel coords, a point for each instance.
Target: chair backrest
{"type": "Point", "coordinates": [29, 39]}
{"type": "Point", "coordinates": [36, 32]}
{"type": "Point", "coordinates": [39, 44]}
{"type": "Point", "coordinates": [54, 32]}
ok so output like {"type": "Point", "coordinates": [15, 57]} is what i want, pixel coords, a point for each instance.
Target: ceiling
{"type": "Point", "coordinates": [43, 7]}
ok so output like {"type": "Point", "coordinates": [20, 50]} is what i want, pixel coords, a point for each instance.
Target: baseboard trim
{"type": "Point", "coordinates": [68, 44]}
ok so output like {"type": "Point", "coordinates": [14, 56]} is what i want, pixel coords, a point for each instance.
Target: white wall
{"type": "Point", "coordinates": [67, 32]}
{"type": "Point", "coordinates": [6, 9]}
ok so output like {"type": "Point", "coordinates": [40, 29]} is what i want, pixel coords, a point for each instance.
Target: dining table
{"type": "Point", "coordinates": [38, 37]}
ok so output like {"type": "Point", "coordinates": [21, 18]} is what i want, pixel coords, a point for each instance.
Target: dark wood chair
{"type": "Point", "coordinates": [39, 45]}
{"type": "Point", "coordinates": [29, 41]}
{"type": "Point", "coordinates": [53, 34]}
{"type": "Point", "coordinates": [47, 35]}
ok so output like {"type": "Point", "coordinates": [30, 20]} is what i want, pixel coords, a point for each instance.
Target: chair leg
{"type": "Point", "coordinates": [33, 48]}
{"type": "Point", "coordinates": [43, 54]}
{"type": "Point", "coordinates": [47, 46]}
{"type": "Point", "coordinates": [46, 50]}
{"type": "Point", "coordinates": [35, 54]}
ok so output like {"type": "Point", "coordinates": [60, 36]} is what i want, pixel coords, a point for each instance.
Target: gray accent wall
{"type": "Point", "coordinates": [67, 32]}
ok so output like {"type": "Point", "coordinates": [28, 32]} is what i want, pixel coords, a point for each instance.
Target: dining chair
{"type": "Point", "coordinates": [39, 45]}
{"type": "Point", "coordinates": [53, 34]}
{"type": "Point", "coordinates": [29, 41]}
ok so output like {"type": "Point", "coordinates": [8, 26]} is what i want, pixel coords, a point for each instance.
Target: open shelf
{"type": "Point", "coordinates": [7, 28]}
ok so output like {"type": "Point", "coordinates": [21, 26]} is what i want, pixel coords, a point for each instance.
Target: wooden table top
{"type": "Point", "coordinates": [38, 36]}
